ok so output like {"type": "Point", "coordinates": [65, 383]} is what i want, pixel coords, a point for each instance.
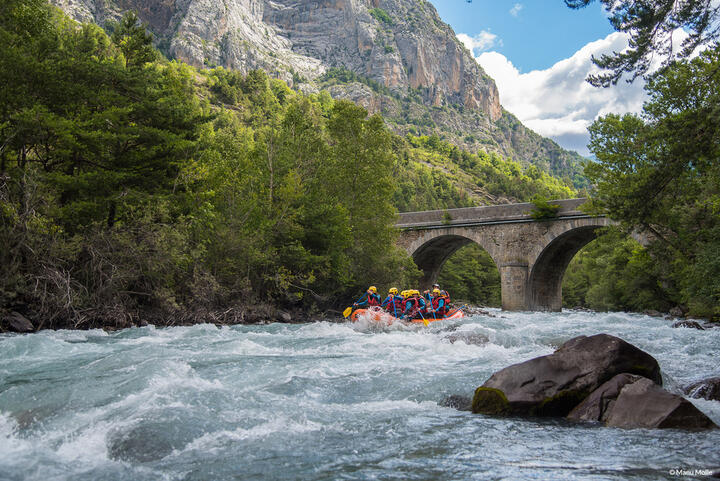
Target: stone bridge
{"type": "Point", "coordinates": [530, 254]}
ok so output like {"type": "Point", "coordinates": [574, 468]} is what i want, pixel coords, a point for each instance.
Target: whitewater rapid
{"type": "Point", "coordinates": [325, 401]}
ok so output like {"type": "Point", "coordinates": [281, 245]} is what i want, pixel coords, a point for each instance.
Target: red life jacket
{"type": "Point", "coordinates": [414, 306]}
{"type": "Point", "coordinates": [436, 302]}
{"type": "Point", "coordinates": [395, 306]}
{"type": "Point", "coordinates": [373, 300]}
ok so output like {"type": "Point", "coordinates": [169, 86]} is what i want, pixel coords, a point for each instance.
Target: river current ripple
{"type": "Point", "coordinates": [325, 401]}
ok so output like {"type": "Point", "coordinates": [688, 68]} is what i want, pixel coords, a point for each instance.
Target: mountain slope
{"type": "Point", "coordinates": [395, 57]}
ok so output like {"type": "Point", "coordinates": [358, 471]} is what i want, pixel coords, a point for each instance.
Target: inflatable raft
{"type": "Point", "coordinates": [378, 315]}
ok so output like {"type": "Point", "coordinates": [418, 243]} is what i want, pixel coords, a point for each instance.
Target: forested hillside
{"type": "Point", "coordinates": [133, 188]}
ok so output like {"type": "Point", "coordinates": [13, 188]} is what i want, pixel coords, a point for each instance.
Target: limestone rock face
{"type": "Point", "coordinates": [553, 385]}
{"type": "Point", "coordinates": [400, 44]}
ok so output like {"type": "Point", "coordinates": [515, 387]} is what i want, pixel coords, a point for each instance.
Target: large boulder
{"type": "Point", "coordinates": [630, 401]}
{"type": "Point", "coordinates": [706, 389]}
{"type": "Point", "coordinates": [552, 385]}
{"type": "Point", "coordinates": [599, 403]}
{"type": "Point", "coordinates": [644, 404]}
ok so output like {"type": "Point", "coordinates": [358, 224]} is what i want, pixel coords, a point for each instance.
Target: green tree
{"type": "Point", "coordinates": [132, 38]}
{"type": "Point", "coordinates": [650, 25]}
{"type": "Point", "coordinates": [660, 172]}
{"type": "Point", "coordinates": [471, 275]}
{"type": "Point", "coordinates": [615, 273]}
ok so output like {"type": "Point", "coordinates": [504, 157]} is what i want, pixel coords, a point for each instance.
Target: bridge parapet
{"type": "Point", "coordinates": [490, 214]}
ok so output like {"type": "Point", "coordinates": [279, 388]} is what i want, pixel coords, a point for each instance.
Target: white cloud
{"type": "Point", "coordinates": [515, 11]}
{"type": "Point", "coordinates": [480, 42]}
{"type": "Point", "coordinates": [557, 102]}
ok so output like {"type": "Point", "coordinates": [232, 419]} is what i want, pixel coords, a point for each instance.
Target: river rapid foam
{"type": "Point", "coordinates": [325, 401]}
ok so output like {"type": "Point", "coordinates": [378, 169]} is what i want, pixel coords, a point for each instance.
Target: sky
{"type": "Point", "coordinates": [538, 52]}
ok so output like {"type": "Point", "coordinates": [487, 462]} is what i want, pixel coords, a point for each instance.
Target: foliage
{"type": "Point", "coordinates": [471, 275]}
{"type": "Point", "coordinates": [543, 209]}
{"type": "Point", "coordinates": [615, 273]}
{"type": "Point", "coordinates": [435, 174]}
{"type": "Point", "coordinates": [381, 15]}
{"type": "Point", "coordinates": [341, 75]}
{"type": "Point", "coordinates": [124, 194]}
{"type": "Point", "coordinates": [660, 172]}
{"type": "Point", "coordinates": [133, 40]}
{"type": "Point", "coordinates": [650, 26]}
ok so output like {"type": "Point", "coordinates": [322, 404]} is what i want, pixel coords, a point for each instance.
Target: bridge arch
{"type": "Point", "coordinates": [434, 249]}
{"type": "Point", "coordinates": [531, 255]}
{"type": "Point", "coordinates": [548, 270]}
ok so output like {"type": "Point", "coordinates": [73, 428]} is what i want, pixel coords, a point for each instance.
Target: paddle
{"type": "Point", "coordinates": [450, 313]}
{"type": "Point", "coordinates": [425, 321]}
{"type": "Point", "coordinates": [348, 311]}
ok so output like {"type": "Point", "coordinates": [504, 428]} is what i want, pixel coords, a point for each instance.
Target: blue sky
{"type": "Point", "coordinates": [533, 34]}
{"type": "Point", "coordinates": [539, 53]}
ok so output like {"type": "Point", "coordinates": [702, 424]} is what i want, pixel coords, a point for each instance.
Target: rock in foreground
{"type": "Point", "coordinates": [553, 385]}
{"type": "Point", "coordinates": [629, 401]}
{"type": "Point", "coordinates": [599, 403]}
{"type": "Point", "coordinates": [643, 404]}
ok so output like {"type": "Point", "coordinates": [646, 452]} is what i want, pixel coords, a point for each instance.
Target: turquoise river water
{"type": "Point", "coordinates": [325, 401]}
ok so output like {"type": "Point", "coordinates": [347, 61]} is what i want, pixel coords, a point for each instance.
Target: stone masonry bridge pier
{"type": "Point", "coordinates": [531, 255]}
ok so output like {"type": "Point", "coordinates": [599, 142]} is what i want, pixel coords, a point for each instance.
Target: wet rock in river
{"type": "Point", "coordinates": [630, 401]}
{"type": "Point", "coordinates": [689, 325]}
{"type": "Point", "coordinates": [598, 404]}
{"type": "Point", "coordinates": [644, 404]}
{"type": "Point", "coordinates": [143, 443]}
{"type": "Point", "coordinates": [553, 385]}
{"type": "Point", "coordinates": [706, 389]}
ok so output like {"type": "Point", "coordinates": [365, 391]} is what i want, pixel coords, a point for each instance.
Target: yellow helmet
{"type": "Point", "coordinates": [393, 290]}
{"type": "Point", "coordinates": [372, 289]}
{"type": "Point", "coordinates": [405, 293]}
{"type": "Point", "coordinates": [415, 292]}
{"type": "Point", "coordinates": [436, 291]}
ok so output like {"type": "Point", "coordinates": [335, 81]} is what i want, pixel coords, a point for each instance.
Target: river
{"type": "Point", "coordinates": [325, 401]}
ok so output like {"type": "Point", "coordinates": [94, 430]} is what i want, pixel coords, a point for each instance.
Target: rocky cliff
{"type": "Point", "coordinates": [408, 64]}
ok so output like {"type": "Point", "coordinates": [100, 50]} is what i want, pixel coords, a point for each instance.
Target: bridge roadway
{"type": "Point", "coordinates": [531, 255]}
